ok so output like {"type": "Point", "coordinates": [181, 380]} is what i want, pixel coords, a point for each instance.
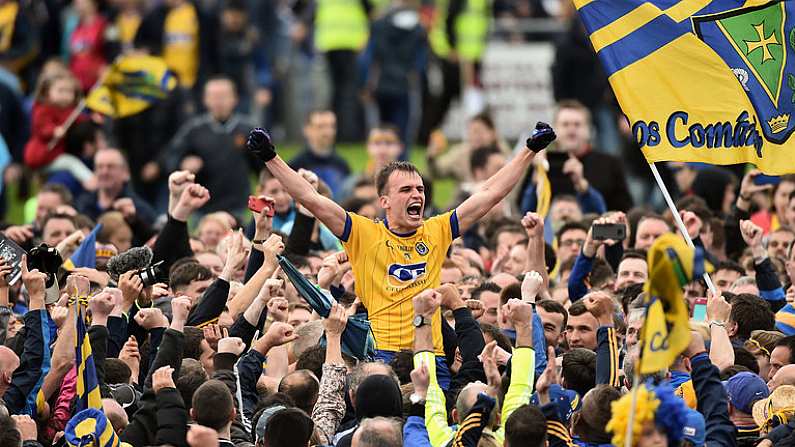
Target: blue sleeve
{"type": "Point", "coordinates": [249, 368]}
{"type": "Point", "coordinates": [34, 365]}
{"type": "Point", "coordinates": [592, 201]}
{"type": "Point", "coordinates": [712, 403]}
{"type": "Point", "coordinates": [770, 288]}
{"type": "Point", "coordinates": [607, 356]}
{"type": "Point", "coordinates": [580, 271]}
{"type": "Point", "coordinates": [117, 330]}
{"type": "Point", "coordinates": [415, 433]}
{"type": "Point", "coordinates": [539, 345]}
{"type": "Point", "coordinates": [529, 199]}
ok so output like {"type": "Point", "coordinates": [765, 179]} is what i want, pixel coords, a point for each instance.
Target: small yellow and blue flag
{"type": "Point", "coordinates": [132, 84]}
{"type": "Point", "coordinates": [87, 384]}
{"type": "Point", "coordinates": [86, 253]}
{"type": "Point", "coordinates": [666, 331]}
{"type": "Point", "coordinates": [701, 80]}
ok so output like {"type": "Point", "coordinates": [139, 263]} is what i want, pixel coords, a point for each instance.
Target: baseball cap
{"type": "Point", "coordinates": [262, 423]}
{"type": "Point", "coordinates": [567, 401]}
{"type": "Point", "coordinates": [695, 429]}
{"type": "Point", "coordinates": [744, 389]}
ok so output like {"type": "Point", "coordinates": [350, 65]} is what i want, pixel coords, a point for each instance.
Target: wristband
{"type": "Point", "coordinates": [745, 198]}
{"type": "Point", "coordinates": [717, 323]}
{"type": "Point", "coordinates": [258, 241]}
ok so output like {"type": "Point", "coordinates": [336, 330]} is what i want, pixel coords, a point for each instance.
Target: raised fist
{"type": "Point", "coordinates": [260, 144]}
{"type": "Point", "coordinates": [541, 137]}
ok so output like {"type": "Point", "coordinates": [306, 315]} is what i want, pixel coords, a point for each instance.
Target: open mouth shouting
{"type": "Point", "coordinates": [414, 210]}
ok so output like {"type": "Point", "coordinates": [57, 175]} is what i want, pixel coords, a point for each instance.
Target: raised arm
{"type": "Point", "coordinates": [494, 190]}
{"type": "Point", "coordinates": [323, 208]}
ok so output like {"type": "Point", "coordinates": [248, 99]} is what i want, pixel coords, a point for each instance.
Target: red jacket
{"type": "Point", "coordinates": [46, 118]}
{"type": "Point", "coordinates": [86, 53]}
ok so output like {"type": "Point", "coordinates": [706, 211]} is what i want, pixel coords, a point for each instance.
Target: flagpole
{"type": "Point", "coordinates": [631, 421]}
{"type": "Point", "coordinates": [678, 219]}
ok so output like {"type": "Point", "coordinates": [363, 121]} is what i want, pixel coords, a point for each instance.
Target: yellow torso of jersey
{"type": "Point", "coordinates": [391, 269]}
{"type": "Point", "coordinates": [181, 46]}
{"type": "Point", "coordinates": [128, 26]}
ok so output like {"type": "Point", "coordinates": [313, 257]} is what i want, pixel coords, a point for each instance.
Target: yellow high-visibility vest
{"type": "Point", "coordinates": [471, 27]}
{"type": "Point", "coordinates": [340, 25]}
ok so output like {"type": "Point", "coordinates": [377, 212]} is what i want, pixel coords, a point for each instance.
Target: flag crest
{"type": "Point", "coordinates": [701, 80]}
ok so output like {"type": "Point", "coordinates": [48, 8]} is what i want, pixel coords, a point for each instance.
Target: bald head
{"type": "Point", "coordinates": [378, 432]}
{"type": "Point", "coordinates": [504, 280]}
{"type": "Point", "coordinates": [9, 362]}
{"type": "Point", "coordinates": [784, 376]}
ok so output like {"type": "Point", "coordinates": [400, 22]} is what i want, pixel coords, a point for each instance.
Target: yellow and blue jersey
{"type": "Point", "coordinates": [390, 269]}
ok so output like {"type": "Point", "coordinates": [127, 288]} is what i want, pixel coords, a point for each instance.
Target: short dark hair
{"type": "Point", "coordinates": [188, 272]}
{"type": "Point", "coordinates": [502, 340]}
{"type": "Point", "coordinates": [730, 371]}
{"type": "Point", "coordinates": [731, 266]}
{"type": "Point", "coordinates": [744, 358]}
{"type": "Point", "coordinates": [191, 376]}
{"type": "Point", "coordinates": [577, 308]}
{"type": "Point", "coordinates": [213, 405]}
{"type": "Point", "coordinates": [59, 189]}
{"type": "Point", "coordinates": [601, 273]}
{"type": "Point", "coordinates": [193, 340]}
{"type": "Point", "coordinates": [510, 227]}
{"type": "Point", "coordinates": [79, 134]}
{"type": "Point", "coordinates": [510, 291]}
{"type": "Point", "coordinates": [526, 427]}
{"type": "Point", "coordinates": [402, 364]}
{"type": "Point", "coordinates": [569, 227]}
{"type": "Point", "coordinates": [485, 287]}
{"type": "Point", "coordinates": [579, 370]}
{"type": "Point", "coordinates": [314, 112]}
{"type": "Point", "coordinates": [9, 435]}
{"type": "Point", "coordinates": [485, 118]}
{"type": "Point", "coordinates": [382, 178]}
{"type": "Point", "coordinates": [789, 343]}
{"type": "Point", "coordinates": [312, 359]}
{"type": "Point", "coordinates": [751, 313]}
{"type": "Point", "coordinates": [480, 156]}
{"type": "Point", "coordinates": [302, 387]}
{"type": "Point", "coordinates": [53, 216]}
{"type": "Point", "coordinates": [553, 306]}
{"type": "Point", "coordinates": [116, 371]}
{"type": "Point", "coordinates": [634, 254]}
{"type": "Point", "coordinates": [289, 427]}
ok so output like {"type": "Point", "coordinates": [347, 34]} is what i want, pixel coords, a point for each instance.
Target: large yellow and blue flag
{"type": "Point", "coordinates": [701, 80]}
{"type": "Point", "coordinates": [666, 332]}
{"type": "Point", "coordinates": [132, 84]}
{"type": "Point", "coordinates": [86, 253]}
{"type": "Point", "coordinates": [87, 384]}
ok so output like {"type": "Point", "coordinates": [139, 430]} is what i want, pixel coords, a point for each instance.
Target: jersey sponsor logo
{"type": "Point", "coordinates": [421, 248]}
{"type": "Point", "coordinates": [406, 272]}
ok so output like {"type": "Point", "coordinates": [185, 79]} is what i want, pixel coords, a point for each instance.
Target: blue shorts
{"type": "Point", "coordinates": [442, 371]}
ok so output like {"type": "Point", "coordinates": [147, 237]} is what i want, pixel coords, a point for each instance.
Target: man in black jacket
{"type": "Point", "coordinates": [604, 172]}
{"type": "Point", "coordinates": [212, 146]}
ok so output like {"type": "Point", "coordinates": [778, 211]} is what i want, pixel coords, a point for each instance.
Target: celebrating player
{"type": "Point", "coordinates": [396, 259]}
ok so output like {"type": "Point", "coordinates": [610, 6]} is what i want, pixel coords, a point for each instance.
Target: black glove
{"type": "Point", "coordinates": [259, 143]}
{"type": "Point", "coordinates": [541, 137]}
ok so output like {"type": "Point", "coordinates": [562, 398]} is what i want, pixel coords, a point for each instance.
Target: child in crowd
{"type": "Point", "coordinates": [56, 98]}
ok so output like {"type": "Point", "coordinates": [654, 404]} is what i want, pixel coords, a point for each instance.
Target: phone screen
{"type": "Point", "coordinates": [699, 312]}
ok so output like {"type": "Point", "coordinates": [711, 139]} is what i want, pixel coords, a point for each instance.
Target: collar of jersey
{"type": "Point", "coordinates": [410, 233]}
